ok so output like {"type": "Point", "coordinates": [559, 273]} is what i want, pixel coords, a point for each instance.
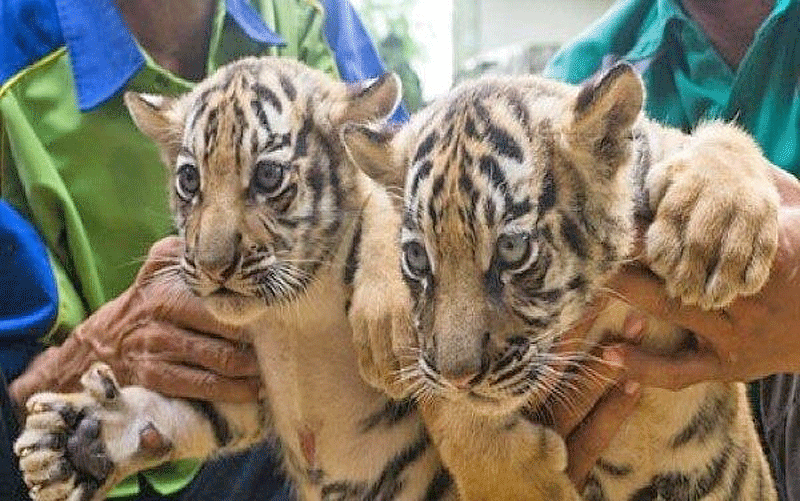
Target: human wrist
{"type": "Point", "coordinates": [58, 368]}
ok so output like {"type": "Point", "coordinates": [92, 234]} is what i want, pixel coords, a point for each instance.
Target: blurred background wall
{"type": "Point", "coordinates": [433, 44]}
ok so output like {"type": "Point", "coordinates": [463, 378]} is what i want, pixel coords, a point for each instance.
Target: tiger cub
{"type": "Point", "coordinates": [520, 197]}
{"type": "Point", "coordinates": [275, 220]}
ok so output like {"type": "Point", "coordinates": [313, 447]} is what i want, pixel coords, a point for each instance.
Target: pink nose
{"type": "Point", "coordinates": [463, 381]}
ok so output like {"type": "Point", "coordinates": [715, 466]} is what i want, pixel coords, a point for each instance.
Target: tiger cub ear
{"type": "Point", "coordinates": [156, 116]}
{"type": "Point", "coordinates": [371, 150]}
{"type": "Point", "coordinates": [375, 101]}
{"type": "Point", "coordinates": [603, 113]}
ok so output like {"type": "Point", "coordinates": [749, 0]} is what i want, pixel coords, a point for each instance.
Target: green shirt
{"type": "Point", "coordinates": [95, 187]}
{"type": "Point", "coordinates": [688, 81]}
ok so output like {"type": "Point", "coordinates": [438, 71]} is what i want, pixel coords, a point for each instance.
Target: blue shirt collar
{"type": "Point", "coordinates": [104, 54]}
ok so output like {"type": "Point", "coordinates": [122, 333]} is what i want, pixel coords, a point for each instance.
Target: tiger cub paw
{"type": "Point", "coordinates": [715, 228]}
{"type": "Point", "coordinates": [383, 337]}
{"type": "Point", "coordinates": [76, 446]}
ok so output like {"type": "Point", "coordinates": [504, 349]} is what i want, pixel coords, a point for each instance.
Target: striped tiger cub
{"type": "Point", "coordinates": [275, 221]}
{"type": "Point", "coordinates": [520, 198]}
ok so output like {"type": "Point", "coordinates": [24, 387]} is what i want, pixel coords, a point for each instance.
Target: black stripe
{"type": "Point", "coordinates": [504, 144]}
{"type": "Point", "coordinates": [266, 94]}
{"type": "Point", "coordinates": [333, 169]}
{"type": "Point", "coordinates": [200, 110]}
{"type": "Point", "coordinates": [578, 282]}
{"type": "Point", "coordinates": [212, 122]}
{"type": "Point", "coordinates": [301, 141]}
{"type": "Point", "coordinates": [491, 281]}
{"type": "Point", "coordinates": [316, 182]}
{"type": "Point", "coordinates": [261, 115]}
{"type": "Point", "coordinates": [490, 210]}
{"type": "Point", "coordinates": [535, 322]}
{"type": "Point", "coordinates": [516, 210]}
{"type": "Point", "coordinates": [682, 486]}
{"type": "Point", "coordinates": [515, 371]}
{"type": "Point", "coordinates": [710, 415]}
{"type": "Point", "coordinates": [438, 186]}
{"type": "Point", "coordinates": [426, 146]}
{"type": "Point", "coordinates": [390, 414]}
{"type": "Point", "coordinates": [531, 280]}
{"type": "Point", "coordinates": [547, 194]}
{"type": "Point", "coordinates": [422, 173]}
{"type": "Point", "coordinates": [409, 221]}
{"type": "Point", "coordinates": [515, 101]}
{"type": "Point", "coordinates": [288, 88]}
{"type": "Point", "coordinates": [439, 486]}
{"type": "Point", "coordinates": [282, 201]}
{"type": "Point", "coordinates": [219, 424]}
{"type": "Point", "coordinates": [548, 296]}
{"type": "Point", "coordinates": [469, 128]}
{"type": "Point", "coordinates": [351, 264]}
{"type": "Point", "coordinates": [573, 236]}
{"type": "Point", "coordinates": [465, 184]}
{"type": "Point", "coordinates": [342, 491]}
{"type": "Point", "coordinates": [491, 169]}
{"type": "Point", "coordinates": [378, 136]}
{"type": "Point", "coordinates": [389, 484]}
{"type": "Point", "coordinates": [614, 470]}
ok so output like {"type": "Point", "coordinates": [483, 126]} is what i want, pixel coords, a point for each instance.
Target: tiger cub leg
{"type": "Point", "coordinates": [498, 459]}
{"type": "Point", "coordinates": [714, 229]}
{"type": "Point", "coordinates": [76, 446]}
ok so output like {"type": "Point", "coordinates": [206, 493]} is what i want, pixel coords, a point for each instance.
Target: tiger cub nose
{"type": "Point", "coordinates": [463, 381]}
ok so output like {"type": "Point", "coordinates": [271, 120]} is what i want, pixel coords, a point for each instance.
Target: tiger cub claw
{"type": "Point", "coordinates": [65, 450]}
{"type": "Point", "coordinates": [715, 228]}
{"type": "Point", "coordinates": [383, 339]}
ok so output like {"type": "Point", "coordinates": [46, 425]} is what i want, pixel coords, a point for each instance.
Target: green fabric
{"type": "Point", "coordinates": [687, 80]}
{"type": "Point", "coordinates": [94, 185]}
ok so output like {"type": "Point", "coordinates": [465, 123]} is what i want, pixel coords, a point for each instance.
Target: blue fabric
{"type": "Point", "coordinates": [356, 56]}
{"type": "Point", "coordinates": [251, 23]}
{"type": "Point", "coordinates": [104, 54]}
{"type": "Point", "coordinates": [28, 294]}
{"type": "Point", "coordinates": [29, 30]}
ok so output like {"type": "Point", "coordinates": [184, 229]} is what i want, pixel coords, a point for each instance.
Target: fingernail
{"type": "Point", "coordinates": [631, 387]}
{"type": "Point", "coordinates": [633, 326]}
{"type": "Point", "coordinates": [613, 356]}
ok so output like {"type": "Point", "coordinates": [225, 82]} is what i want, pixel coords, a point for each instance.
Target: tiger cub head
{"type": "Point", "coordinates": [260, 189]}
{"type": "Point", "coordinates": [516, 207]}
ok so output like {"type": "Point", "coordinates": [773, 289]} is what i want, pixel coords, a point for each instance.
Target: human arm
{"type": "Point", "coordinates": [754, 337]}
{"type": "Point", "coordinates": [155, 334]}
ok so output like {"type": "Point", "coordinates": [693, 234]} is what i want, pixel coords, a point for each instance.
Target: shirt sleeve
{"type": "Point", "coordinates": [356, 56]}
{"type": "Point", "coordinates": [28, 293]}
{"type": "Point", "coordinates": [37, 273]}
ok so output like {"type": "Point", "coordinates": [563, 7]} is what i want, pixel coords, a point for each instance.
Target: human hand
{"type": "Point", "coordinates": [754, 337]}
{"type": "Point", "coordinates": [156, 334]}
{"type": "Point", "coordinates": [588, 410]}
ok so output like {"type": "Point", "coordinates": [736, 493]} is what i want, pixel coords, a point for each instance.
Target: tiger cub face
{"type": "Point", "coordinates": [260, 191]}
{"type": "Point", "coordinates": [516, 207]}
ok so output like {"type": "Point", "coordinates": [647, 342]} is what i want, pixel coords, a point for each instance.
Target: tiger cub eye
{"type": "Point", "coordinates": [416, 259]}
{"type": "Point", "coordinates": [187, 181]}
{"type": "Point", "coordinates": [513, 249]}
{"type": "Point", "coordinates": [268, 177]}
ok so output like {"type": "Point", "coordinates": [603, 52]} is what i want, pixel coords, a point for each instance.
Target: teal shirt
{"type": "Point", "coordinates": [688, 81]}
